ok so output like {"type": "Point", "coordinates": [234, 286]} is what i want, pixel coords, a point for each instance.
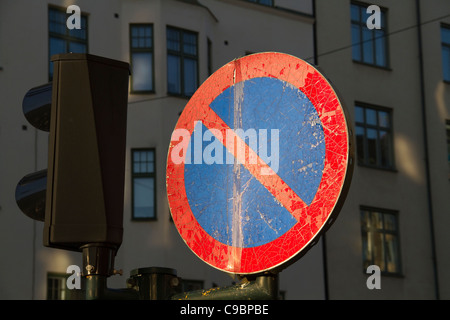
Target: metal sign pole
{"type": "Point", "coordinates": [98, 265]}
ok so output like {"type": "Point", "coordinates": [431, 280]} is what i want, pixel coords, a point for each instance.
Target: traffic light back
{"type": "Point", "coordinates": [87, 144]}
{"type": "Point", "coordinates": [86, 157]}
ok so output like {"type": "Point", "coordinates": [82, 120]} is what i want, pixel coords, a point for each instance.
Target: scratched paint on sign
{"type": "Point", "coordinates": [230, 214]}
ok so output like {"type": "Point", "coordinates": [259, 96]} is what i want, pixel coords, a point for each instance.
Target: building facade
{"type": "Point", "coordinates": [393, 80]}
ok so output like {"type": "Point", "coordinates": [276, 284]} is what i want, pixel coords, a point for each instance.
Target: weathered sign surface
{"type": "Point", "coordinates": [259, 163]}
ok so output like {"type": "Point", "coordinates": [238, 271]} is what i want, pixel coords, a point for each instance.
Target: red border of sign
{"type": "Point", "coordinates": [332, 190]}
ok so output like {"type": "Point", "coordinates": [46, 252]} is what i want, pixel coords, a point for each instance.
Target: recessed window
{"type": "Point", "coordinates": [380, 239]}
{"type": "Point", "coordinates": [374, 143]}
{"type": "Point", "coordinates": [445, 42]}
{"type": "Point", "coordinates": [141, 58]}
{"type": "Point", "coordinates": [63, 39]}
{"type": "Point", "coordinates": [369, 46]}
{"type": "Point", "coordinates": [143, 184]}
{"type": "Point", "coordinates": [182, 62]}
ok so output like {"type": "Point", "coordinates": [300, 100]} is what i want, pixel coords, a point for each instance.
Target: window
{"type": "Point", "coordinates": [368, 45]}
{"type": "Point", "coordinates": [141, 58]}
{"type": "Point", "coordinates": [63, 39]}
{"type": "Point", "coordinates": [445, 41]}
{"type": "Point", "coordinates": [143, 184]}
{"type": "Point", "coordinates": [263, 2]}
{"type": "Point", "coordinates": [182, 62]}
{"type": "Point", "coordinates": [380, 239]}
{"type": "Point", "coordinates": [374, 144]}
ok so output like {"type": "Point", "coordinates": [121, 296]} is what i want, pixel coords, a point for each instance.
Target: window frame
{"type": "Point", "coordinates": [143, 175]}
{"type": "Point", "coordinates": [383, 232]}
{"type": "Point", "coordinates": [182, 56]}
{"type": "Point", "coordinates": [142, 50]}
{"type": "Point", "coordinates": [363, 24]}
{"type": "Point", "coordinates": [66, 37]}
{"type": "Point", "coordinates": [379, 154]}
{"type": "Point", "coordinates": [446, 45]}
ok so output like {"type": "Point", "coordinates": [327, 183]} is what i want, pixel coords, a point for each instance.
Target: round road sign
{"type": "Point", "coordinates": [259, 163]}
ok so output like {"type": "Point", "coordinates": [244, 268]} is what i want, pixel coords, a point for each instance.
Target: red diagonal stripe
{"type": "Point", "coordinates": [271, 181]}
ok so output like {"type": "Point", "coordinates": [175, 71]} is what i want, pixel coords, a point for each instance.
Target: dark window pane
{"type": "Point", "coordinates": [367, 44]}
{"type": "Point", "coordinates": [173, 40]}
{"type": "Point", "coordinates": [391, 246]}
{"type": "Point", "coordinates": [355, 13]}
{"type": "Point", "coordinates": [174, 74]}
{"type": "Point", "coordinates": [445, 35]}
{"type": "Point", "coordinates": [359, 114]}
{"type": "Point", "coordinates": [77, 47]}
{"type": "Point", "coordinates": [266, 2]}
{"type": "Point", "coordinates": [360, 143]}
{"type": "Point", "coordinates": [57, 21]}
{"type": "Point", "coordinates": [377, 220]}
{"type": "Point", "coordinates": [136, 156]}
{"type": "Point", "coordinates": [57, 45]}
{"type": "Point", "coordinates": [390, 222]}
{"type": "Point", "coordinates": [364, 15]}
{"type": "Point", "coordinates": [365, 219]}
{"type": "Point", "coordinates": [190, 43]}
{"type": "Point", "coordinates": [385, 145]}
{"type": "Point", "coordinates": [371, 116]}
{"type": "Point", "coordinates": [143, 190]}
{"type": "Point", "coordinates": [380, 48]}
{"type": "Point", "coordinates": [383, 119]}
{"type": "Point", "coordinates": [372, 146]}
{"type": "Point", "coordinates": [378, 250]}
{"type": "Point", "coordinates": [356, 42]}
{"type": "Point", "coordinates": [77, 33]}
{"type": "Point", "coordinates": [134, 32]}
{"type": "Point", "coordinates": [446, 62]}
{"type": "Point", "coordinates": [263, 2]}
{"type": "Point", "coordinates": [190, 76]}
{"type": "Point", "coordinates": [366, 249]}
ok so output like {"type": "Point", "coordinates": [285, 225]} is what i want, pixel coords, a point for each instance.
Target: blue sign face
{"type": "Point", "coordinates": [282, 126]}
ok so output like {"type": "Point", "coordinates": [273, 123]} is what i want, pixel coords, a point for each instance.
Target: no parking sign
{"type": "Point", "coordinates": [259, 163]}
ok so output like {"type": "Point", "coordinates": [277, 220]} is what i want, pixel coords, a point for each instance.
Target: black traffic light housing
{"type": "Point", "coordinates": [86, 158]}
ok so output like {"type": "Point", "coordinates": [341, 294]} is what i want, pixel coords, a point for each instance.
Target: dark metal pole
{"type": "Point", "coordinates": [98, 265]}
